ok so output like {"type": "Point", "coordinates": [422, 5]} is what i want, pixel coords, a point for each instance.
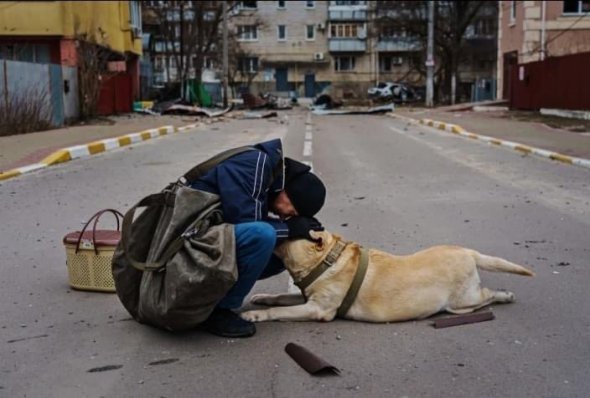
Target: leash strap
{"type": "Point", "coordinates": [359, 276]}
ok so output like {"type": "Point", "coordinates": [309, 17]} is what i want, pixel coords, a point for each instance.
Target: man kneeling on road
{"type": "Point", "coordinates": [251, 185]}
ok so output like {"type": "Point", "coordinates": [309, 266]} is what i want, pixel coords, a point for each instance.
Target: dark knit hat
{"type": "Point", "coordinates": [305, 190]}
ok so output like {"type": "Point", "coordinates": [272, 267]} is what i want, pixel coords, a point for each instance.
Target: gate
{"type": "Point", "coordinates": [559, 82]}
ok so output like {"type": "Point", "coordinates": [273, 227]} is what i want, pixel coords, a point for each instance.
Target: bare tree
{"type": "Point", "coordinates": [191, 31]}
{"type": "Point", "coordinates": [92, 73]}
{"type": "Point", "coordinates": [240, 71]}
{"type": "Point", "coordinates": [452, 20]}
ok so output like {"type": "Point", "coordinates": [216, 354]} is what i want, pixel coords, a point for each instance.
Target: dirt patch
{"type": "Point", "coordinates": [556, 122]}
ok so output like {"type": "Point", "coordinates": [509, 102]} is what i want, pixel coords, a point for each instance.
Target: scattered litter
{"type": "Point", "coordinates": [147, 112]}
{"type": "Point", "coordinates": [179, 109]}
{"type": "Point", "coordinates": [354, 111]}
{"type": "Point", "coordinates": [104, 368]}
{"type": "Point", "coordinates": [163, 361]}
{"type": "Point", "coordinates": [310, 362]}
{"type": "Point", "coordinates": [268, 101]}
{"type": "Point", "coordinates": [556, 272]}
{"type": "Point", "coordinates": [325, 101]}
{"type": "Point", "coordinates": [463, 319]}
{"type": "Point", "coordinates": [563, 264]}
{"type": "Point", "coordinates": [256, 115]}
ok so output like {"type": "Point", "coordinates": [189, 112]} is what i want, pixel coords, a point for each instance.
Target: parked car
{"type": "Point", "coordinates": [396, 92]}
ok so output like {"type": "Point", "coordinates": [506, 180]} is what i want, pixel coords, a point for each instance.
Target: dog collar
{"type": "Point", "coordinates": [326, 263]}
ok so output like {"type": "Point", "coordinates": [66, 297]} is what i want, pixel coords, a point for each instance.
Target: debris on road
{"type": "Point", "coordinates": [325, 101]}
{"type": "Point", "coordinates": [253, 102]}
{"type": "Point", "coordinates": [179, 109]}
{"type": "Point", "coordinates": [463, 319]}
{"type": "Point", "coordinates": [354, 111]}
{"type": "Point", "coordinates": [309, 361]}
{"type": "Point", "coordinates": [257, 115]}
{"type": "Point", "coordinates": [266, 101]}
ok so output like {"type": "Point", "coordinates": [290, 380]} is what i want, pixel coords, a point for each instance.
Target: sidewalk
{"type": "Point", "coordinates": [24, 149]}
{"type": "Point", "coordinates": [502, 126]}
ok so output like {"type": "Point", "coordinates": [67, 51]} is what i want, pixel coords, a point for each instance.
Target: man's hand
{"type": "Point", "coordinates": [299, 227]}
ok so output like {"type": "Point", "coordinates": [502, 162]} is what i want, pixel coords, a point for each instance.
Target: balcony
{"type": "Point", "coordinates": [347, 14]}
{"type": "Point", "coordinates": [347, 45]}
{"type": "Point", "coordinates": [398, 44]}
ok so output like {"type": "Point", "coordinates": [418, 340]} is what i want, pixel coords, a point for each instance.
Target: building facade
{"type": "Point", "coordinates": [535, 30]}
{"type": "Point", "coordinates": [49, 32]}
{"type": "Point", "coordinates": [305, 46]}
{"type": "Point", "coordinates": [302, 48]}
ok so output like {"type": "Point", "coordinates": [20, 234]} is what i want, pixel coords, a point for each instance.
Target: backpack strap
{"type": "Point", "coordinates": [201, 169]}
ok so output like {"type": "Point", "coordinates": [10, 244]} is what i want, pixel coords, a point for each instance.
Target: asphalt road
{"type": "Point", "coordinates": [394, 187]}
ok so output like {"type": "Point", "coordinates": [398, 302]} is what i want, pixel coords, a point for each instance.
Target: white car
{"type": "Point", "coordinates": [381, 90]}
{"type": "Point", "coordinates": [395, 91]}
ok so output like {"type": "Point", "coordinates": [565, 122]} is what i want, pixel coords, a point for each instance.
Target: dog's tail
{"type": "Point", "coordinates": [496, 264]}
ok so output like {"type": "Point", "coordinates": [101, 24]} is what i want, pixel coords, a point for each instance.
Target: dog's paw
{"type": "Point", "coordinates": [262, 299]}
{"type": "Point", "coordinates": [254, 316]}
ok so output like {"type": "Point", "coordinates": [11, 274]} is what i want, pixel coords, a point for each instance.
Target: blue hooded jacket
{"type": "Point", "coordinates": [245, 182]}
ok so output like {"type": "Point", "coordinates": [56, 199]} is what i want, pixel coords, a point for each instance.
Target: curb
{"type": "Point", "coordinates": [93, 148]}
{"type": "Point", "coordinates": [522, 148]}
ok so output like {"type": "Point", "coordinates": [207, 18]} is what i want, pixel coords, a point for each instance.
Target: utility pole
{"type": "Point", "coordinates": [430, 57]}
{"type": "Point", "coordinates": [225, 56]}
{"type": "Point", "coordinates": [181, 69]}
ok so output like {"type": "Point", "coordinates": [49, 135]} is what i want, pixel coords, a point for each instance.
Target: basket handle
{"type": "Point", "coordinates": [96, 217]}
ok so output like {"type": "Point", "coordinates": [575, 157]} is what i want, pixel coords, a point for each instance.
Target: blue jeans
{"type": "Point", "coordinates": [255, 242]}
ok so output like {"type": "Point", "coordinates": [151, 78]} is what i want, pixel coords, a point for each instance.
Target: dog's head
{"type": "Point", "coordinates": [301, 255]}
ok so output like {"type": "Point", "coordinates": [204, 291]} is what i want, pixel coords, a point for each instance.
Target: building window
{"type": "Point", "coordinates": [281, 32]}
{"type": "Point", "coordinates": [248, 5]}
{"type": "Point", "coordinates": [309, 32]}
{"type": "Point", "coordinates": [159, 64]}
{"type": "Point", "coordinates": [344, 64]}
{"type": "Point", "coordinates": [281, 4]}
{"type": "Point", "coordinates": [208, 63]}
{"type": "Point", "coordinates": [387, 62]}
{"type": "Point", "coordinates": [576, 7]}
{"type": "Point", "coordinates": [248, 65]}
{"type": "Point", "coordinates": [344, 30]}
{"type": "Point", "coordinates": [36, 53]}
{"type": "Point", "coordinates": [310, 4]}
{"type": "Point", "coordinates": [247, 32]}
{"type": "Point", "coordinates": [209, 16]}
{"type": "Point", "coordinates": [349, 3]}
{"type": "Point", "coordinates": [512, 12]}
{"type": "Point", "coordinates": [135, 13]}
{"type": "Point", "coordinates": [392, 32]}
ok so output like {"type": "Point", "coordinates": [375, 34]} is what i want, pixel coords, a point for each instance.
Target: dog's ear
{"type": "Point", "coordinates": [315, 235]}
{"type": "Point", "coordinates": [319, 244]}
{"type": "Point", "coordinates": [318, 239]}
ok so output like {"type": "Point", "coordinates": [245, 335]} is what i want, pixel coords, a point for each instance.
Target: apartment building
{"type": "Point", "coordinates": [303, 46]}
{"type": "Point", "coordinates": [535, 30]}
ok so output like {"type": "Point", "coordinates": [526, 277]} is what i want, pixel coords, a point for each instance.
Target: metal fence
{"type": "Point", "coordinates": [559, 82]}
{"type": "Point", "coordinates": [54, 84]}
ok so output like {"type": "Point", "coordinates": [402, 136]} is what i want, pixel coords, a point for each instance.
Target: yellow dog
{"type": "Point", "coordinates": [394, 288]}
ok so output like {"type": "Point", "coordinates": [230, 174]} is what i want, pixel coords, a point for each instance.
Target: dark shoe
{"type": "Point", "coordinates": [226, 323]}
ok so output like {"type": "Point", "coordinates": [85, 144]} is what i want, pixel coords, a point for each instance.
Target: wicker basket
{"type": "Point", "coordinates": [89, 255]}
